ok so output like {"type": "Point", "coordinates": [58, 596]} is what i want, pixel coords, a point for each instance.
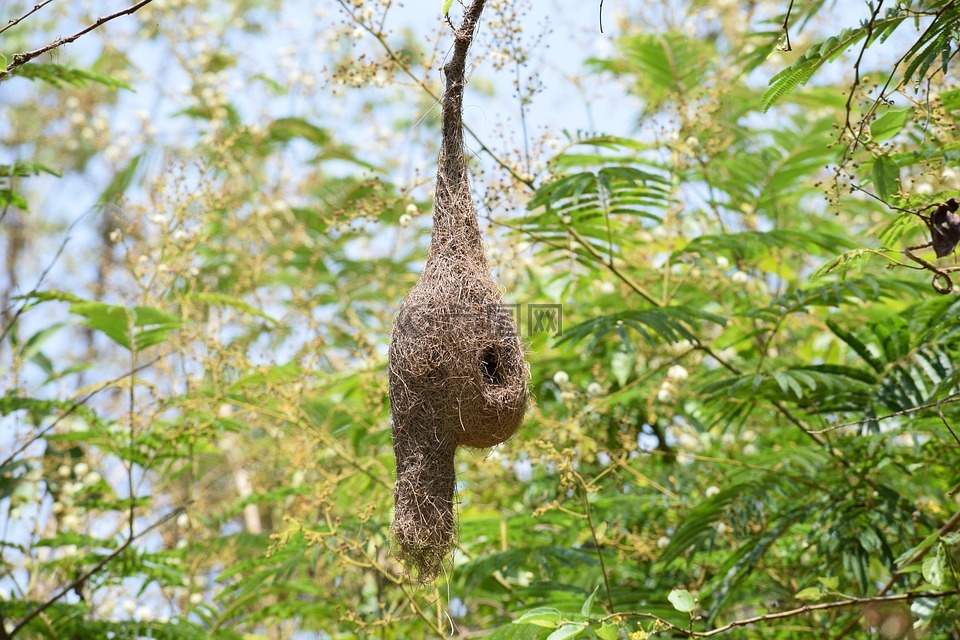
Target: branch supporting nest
{"type": "Point", "coordinates": [456, 365]}
{"type": "Point", "coordinates": [944, 226]}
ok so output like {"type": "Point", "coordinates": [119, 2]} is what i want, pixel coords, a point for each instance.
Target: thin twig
{"type": "Point", "coordinates": [954, 397]}
{"type": "Point", "coordinates": [73, 407]}
{"type": "Point", "coordinates": [395, 58]}
{"type": "Point", "coordinates": [20, 59]}
{"type": "Point", "coordinates": [97, 567]}
{"type": "Point", "coordinates": [949, 526]}
{"type": "Point", "coordinates": [596, 543]}
{"type": "Point", "coordinates": [856, 70]}
{"type": "Point", "coordinates": [945, 423]}
{"type": "Point", "coordinates": [643, 293]}
{"type": "Point", "coordinates": [881, 97]}
{"type": "Point", "coordinates": [43, 276]}
{"type": "Point", "coordinates": [15, 21]}
{"type": "Point", "coordinates": [809, 608]}
{"type": "Point", "coordinates": [786, 28]}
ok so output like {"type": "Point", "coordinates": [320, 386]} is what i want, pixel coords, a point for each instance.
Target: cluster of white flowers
{"type": "Point", "coordinates": [74, 480]}
{"type": "Point", "coordinates": [676, 374]}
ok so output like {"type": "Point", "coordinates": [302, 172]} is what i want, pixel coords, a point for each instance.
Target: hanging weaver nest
{"type": "Point", "coordinates": [457, 371]}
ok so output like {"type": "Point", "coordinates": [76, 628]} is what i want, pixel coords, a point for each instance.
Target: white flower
{"type": "Point", "coordinates": [412, 209]}
{"type": "Point", "coordinates": [723, 263]}
{"type": "Point", "coordinates": [594, 389]}
{"type": "Point", "coordinates": [196, 598]}
{"type": "Point", "coordinates": [129, 606]}
{"type": "Point", "coordinates": [607, 287]}
{"type": "Point", "coordinates": [64, 471]}
{"type": "Point", "coordinates": [750, 449]}
{"type": "Point", "coordinates": [405, 220]}
{"type": "Point", "coordinates": [739, 277]}
{"type": "Point", "coordinates": [457, 608]}
{"type": "Point", "coordinates": [662, 542]}
{"type": "Point", "coordinates": [183, 521]}
{"type": "Point", "coordinates": [116, 236]}
{"type": "Point", "coordinates": [560, 378]}
{"type": "Point", "coordinates": [711, 491]}
{"type": "Point", "coordinates": [91, 479]}
{"type": "Point", "coordinates": [664, 394]}
{"type": "Point", "coordinates": [677, 372]}
{"type": "Point", "coordinates": [81, 468]}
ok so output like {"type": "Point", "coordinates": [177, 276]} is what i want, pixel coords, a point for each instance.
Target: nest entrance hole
{"type": "Point", "coordinates": [492, 371]}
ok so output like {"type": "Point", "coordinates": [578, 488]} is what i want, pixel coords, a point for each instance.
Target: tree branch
{"type": "Point", "coordinates": [20, 59]}
{"type": "Point", "coordinates": [93, 570]}
{"type": "Point", "coordinates": [73, 407]}
{"type": "Point", "coordinates": [786, 28]}
{"type": "Point", "coordinates": [808, 608]}
{"type": "Point", "coordinates": [15, 21]}
{"type": "Point", "coordinates": [949, 526]}
{"type": "Point", "coordinates": [402, 66]}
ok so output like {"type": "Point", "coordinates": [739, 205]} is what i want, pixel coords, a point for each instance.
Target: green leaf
{"type": "Point", "coordinates": [149, 326]}
{"type": "Point", "coordinates": [222, 299]}
{"type": "Point", "coordinates": [567, 631]}
{"type": "Point", "coordinates": [662, 65]}
{"type": "Point", "coordinates": [542, 617]}
{"type": "Point", "coordinates": [120, 182]}
{"type": "Point", "coordinates": [607, 631]}
{"type": "Point", "coordinates": [662, 324]}
{"type": "Point", "coordinates": [810, 593]}
{"type": "Point", "coordinates": [286, 129]}
{"type": "Point", "coordinates": [886, 176]}
{"type": "Point", "coordinates": [46, 296]}
{"type": "Point", "coordinates": [682, 600]}
{"type": "Point", "coordinates": [25, 170]}
{"type": "Point", "coordinates": [830, 583]}
{"type": "Point", "coordinates": [889, 124]}
{"type": "Point", "coordinates": [798, 73]}
{"type": "Point", "coordinates": [60, 76]}
{"type": "Point", "coordinates": [621, 365]}
{"type": "Point", "coordinates": [934, 569]}
{"type": "Point", "coordinates": [588, 605]}
{"type": "Point", "coordinates": [445, 9]}
{"type": "Point", "coordinates": [856, 259]}
{"type": "Point", "coordinates": [10, 198]}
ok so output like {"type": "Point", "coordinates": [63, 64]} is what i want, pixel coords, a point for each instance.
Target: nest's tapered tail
{"type": "Point", "coordinates": [456, 367]}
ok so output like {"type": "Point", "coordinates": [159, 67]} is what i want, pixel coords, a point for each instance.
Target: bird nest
{"type": "Point", "coordinates": [456, 364]}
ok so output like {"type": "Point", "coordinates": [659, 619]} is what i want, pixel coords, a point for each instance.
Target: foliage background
{"type": "Point", "coordinates": [211, 210]}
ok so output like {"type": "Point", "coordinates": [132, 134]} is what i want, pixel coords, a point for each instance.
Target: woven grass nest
{"type": "Point", "coordinates": [456, 364]}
